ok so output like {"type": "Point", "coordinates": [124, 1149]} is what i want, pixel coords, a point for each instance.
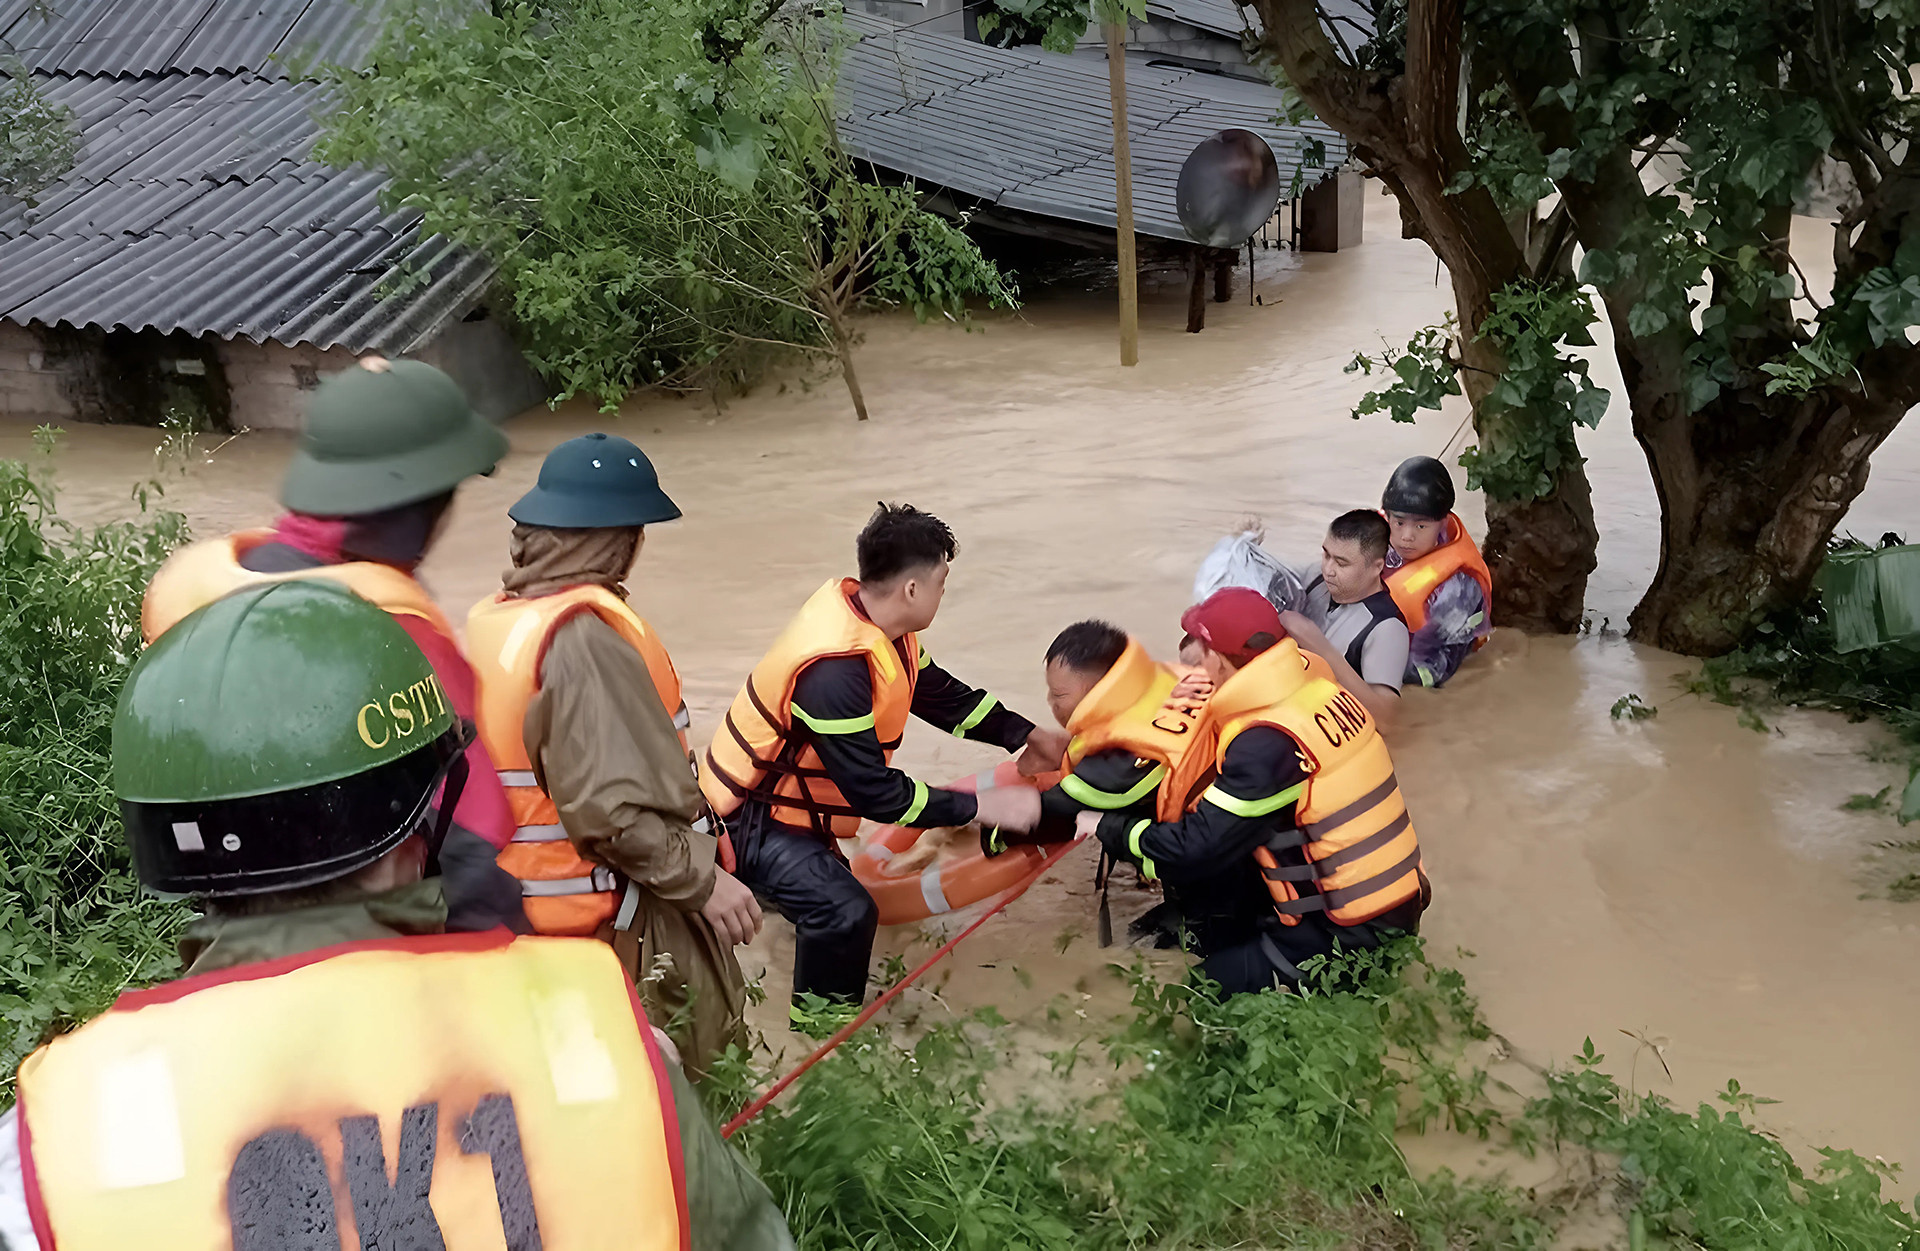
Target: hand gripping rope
{"type": "Point", "coordinates": [852, 1027]}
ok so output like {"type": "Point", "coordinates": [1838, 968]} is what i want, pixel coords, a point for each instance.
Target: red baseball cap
{"type": "Point", "coordinates": [1230, 620]}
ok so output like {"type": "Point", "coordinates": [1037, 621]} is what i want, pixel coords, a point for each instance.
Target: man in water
{"type": "Point", "coordinates": [1349, 618]}
{"type": "Point", "coordinates": [1435, 571]}
{"type": "Point", "coordinates": [330, 1044]}
{"type": "Point", "coordinates": [581, 709]}
{"type": "Point", "coordinates": [1283, 814]}
{"type": "Point", "coordinates": [1130, 721]}
{"type": "Point", "coordinates": [806, 752]}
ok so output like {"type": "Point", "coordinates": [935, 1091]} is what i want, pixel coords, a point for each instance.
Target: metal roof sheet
{"type": "Point", "coordinates": [195, 205]}
{"type": "Point", "coordinates": [1029, 129]}
{"type": "Point", "coordinates": [123, 38]}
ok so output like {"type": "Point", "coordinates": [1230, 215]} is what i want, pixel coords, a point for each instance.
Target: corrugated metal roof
{"type": "Point", "coordinates": [195, 205]}
{"type": "Point", "coordinates": [135, 37]}
{"type": "Point", "coordinates": [1030, 130]}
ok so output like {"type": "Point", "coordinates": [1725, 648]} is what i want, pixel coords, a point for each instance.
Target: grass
{"type": "Point", "coordinates": [75, 929]}
{"type": "Point", "coordinates": [1276, 1121]}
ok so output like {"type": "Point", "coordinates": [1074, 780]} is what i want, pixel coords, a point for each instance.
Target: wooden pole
{"type": "Point", "coordinates": [1116, 33]}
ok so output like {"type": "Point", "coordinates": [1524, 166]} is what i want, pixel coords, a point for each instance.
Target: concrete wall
{"type": "Point", "coordinates": [941, 16]}
{"type": "Point", "coordinates": [38, 383]}
{"type": "Point", "coordinates": [1176, 41]}
{"type": "Point", "coordinates": [482, 357]}
{"type": "Point", "coordinates": [1333, 213]}
{"type": "Point", "coordinates": [270, 383]}
{"type": "Point", "coordinates": [124, 376]}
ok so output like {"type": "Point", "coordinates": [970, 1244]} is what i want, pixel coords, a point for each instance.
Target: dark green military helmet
{"type": "Point", "coordinates": [379, 438]}
{"type": "Point", "coordinates": [593, 481]}
{"type": "Point", "coordinates": [282, 736]}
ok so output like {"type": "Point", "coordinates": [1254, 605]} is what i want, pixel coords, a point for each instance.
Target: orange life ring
{"type": "Point", "coordinates": [950, 882]}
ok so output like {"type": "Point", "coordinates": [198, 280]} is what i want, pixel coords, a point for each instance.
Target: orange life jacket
{"type": "Point", "coordinates": [507, 639]}
{"type": "Point", "coordinates": [756, 755]}
{"type": "Point", "coordinates": [1413, 583]}
{"type": "Point", "coordinates": [1363, 858]}
{"type": "Point", "coordinates": [200, 573]}
{"type": "Point", "coordinates": [459, 1090]}
{"type": "Point", "coordinates": [1140, 706]}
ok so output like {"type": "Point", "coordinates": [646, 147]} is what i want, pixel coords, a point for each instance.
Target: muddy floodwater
{"type": "Point", "coordinates": [1683, 879]}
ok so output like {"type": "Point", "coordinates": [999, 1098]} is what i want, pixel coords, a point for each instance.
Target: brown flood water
{"type": "Point", "coordinates": [1683, 878]}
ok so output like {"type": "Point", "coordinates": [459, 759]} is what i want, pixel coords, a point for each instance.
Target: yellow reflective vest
{"type": "Point", "coordinates": [507, 638]}
{"type": "Point", "coordinates": [471, 1091]}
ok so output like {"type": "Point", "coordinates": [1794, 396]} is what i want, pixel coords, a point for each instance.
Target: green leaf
{"type": "Point", "coordinates": [1910, 800]}
{"type": "Point", "coordinates": [1645, 319]}
{"type": "Point", "coordinates": [1590, 405]}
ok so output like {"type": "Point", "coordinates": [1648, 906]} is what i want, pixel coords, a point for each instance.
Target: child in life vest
{"type": "Point", "coordinates": [1435, 572]}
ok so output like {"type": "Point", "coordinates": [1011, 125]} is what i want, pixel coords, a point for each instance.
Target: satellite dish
{"type": "Point", "coordinates": [1229, 186]}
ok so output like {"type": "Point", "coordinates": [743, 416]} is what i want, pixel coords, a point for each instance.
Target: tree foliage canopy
{"type": "Point", "coordinates": [1667, 142]}
{"type": "Point", "coordinates": [660, 183]}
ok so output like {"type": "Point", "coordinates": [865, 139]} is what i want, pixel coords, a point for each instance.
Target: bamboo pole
{"type": "Point", "coordinates": [1123, 193]}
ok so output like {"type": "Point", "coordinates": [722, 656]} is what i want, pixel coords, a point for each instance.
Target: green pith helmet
{"type": "Point", "coordinates": [375, 440]}
{"type": "Point", "coordinates": [595, 481]}
{"type": "Point", "coordinates": [283, 736]}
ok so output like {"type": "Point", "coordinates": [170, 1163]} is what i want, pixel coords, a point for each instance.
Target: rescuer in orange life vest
{"type": "Point", "coordinates": [805, 752]}
{"type": "Point", "coordinates": [384, 447]}
{"type": "Point", "coordinates": [1283, 814]}
{"type": "Point", "coordinates": [1129, 719]}
{"type": "Point", "coordinates": [580, 707]}
{"type": "Point", "coordinates": [1434, 571]}
{"type": "Point", "coordinates": [332, 1059]}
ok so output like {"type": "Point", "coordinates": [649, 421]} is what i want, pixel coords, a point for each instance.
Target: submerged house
{"type": "Point", "coordinates": [195, 255]}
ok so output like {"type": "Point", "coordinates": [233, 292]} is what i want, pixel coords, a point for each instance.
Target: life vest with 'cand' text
{"type": "Point", "coordinates": [1354, 851]}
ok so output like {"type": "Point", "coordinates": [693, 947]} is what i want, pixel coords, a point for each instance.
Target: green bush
{"type": "Point", "coordinates": [659, 183]}
{"type": "Point", "coordinates": [74, 928]}
{"type": "Point", "coordinates": [1271, 1121]}
{"type": "Point", "coordinates": [1795, 658]}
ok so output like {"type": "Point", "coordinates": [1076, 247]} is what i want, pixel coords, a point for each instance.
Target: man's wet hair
{"type": "Point", "coordinates": [1088, 646]}
{"type": "Point", "coordinates": [898, 539]}
{"type": "Point", "coordinates": [1365, 527]}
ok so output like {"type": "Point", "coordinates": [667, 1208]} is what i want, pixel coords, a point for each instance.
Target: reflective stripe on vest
{"type": "Point", "coordinates": [1413, 583]}
{"type": "Point", "coordinates": [757, 755]}
{"type": "Point", "coordinates": [443, 1091]}
{"type": "Point", "coordinates": [1266, 679]}
{"type": "Point", "coordinates": [1139, 706]}
{"type": "Point", "coordinates": [507, 638]}
{"type": "Point", "coordinates": [1361, 854]}
{"type": "Point", "coordinates": [200, 573]}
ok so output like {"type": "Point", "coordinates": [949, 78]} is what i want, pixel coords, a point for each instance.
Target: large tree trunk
{"type": "Point", "coordinates": [1407, 130]}
{"type": "Point", "coordinates": [1751, 488]}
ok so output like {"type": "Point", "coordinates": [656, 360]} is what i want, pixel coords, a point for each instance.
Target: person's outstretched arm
{"type": "Point", "coordinates": [1260, 780]}
{"type": "Point", "coordinates": [1388, 657]}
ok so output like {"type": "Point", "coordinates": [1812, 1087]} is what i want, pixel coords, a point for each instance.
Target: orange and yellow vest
{"type": "Point", "coordinates": [200, 573]}
{"type": "Point", "coordinates": [1362, 857]}
{"type": "Point", "coordinates": [507, 639]}
{"type": "Point", "coordinates": [1414, 582]}
{"type": "Point", "coordinates": [467, 1091]}
{"type": "Point", "coordinates": [756, 754]}
{"type": "Point", "coordinates": [1142, 707]}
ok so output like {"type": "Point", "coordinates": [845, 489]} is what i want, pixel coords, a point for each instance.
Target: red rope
{"type": "Point", "coordinates": [850, 1028]}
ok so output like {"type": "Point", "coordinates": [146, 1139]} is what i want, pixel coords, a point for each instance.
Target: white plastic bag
{"type": "Point", "coordinates": [1239, 560]}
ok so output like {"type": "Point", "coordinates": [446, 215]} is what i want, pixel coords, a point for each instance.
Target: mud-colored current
{"type": "Point", "coordinates": [1683, 878]}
